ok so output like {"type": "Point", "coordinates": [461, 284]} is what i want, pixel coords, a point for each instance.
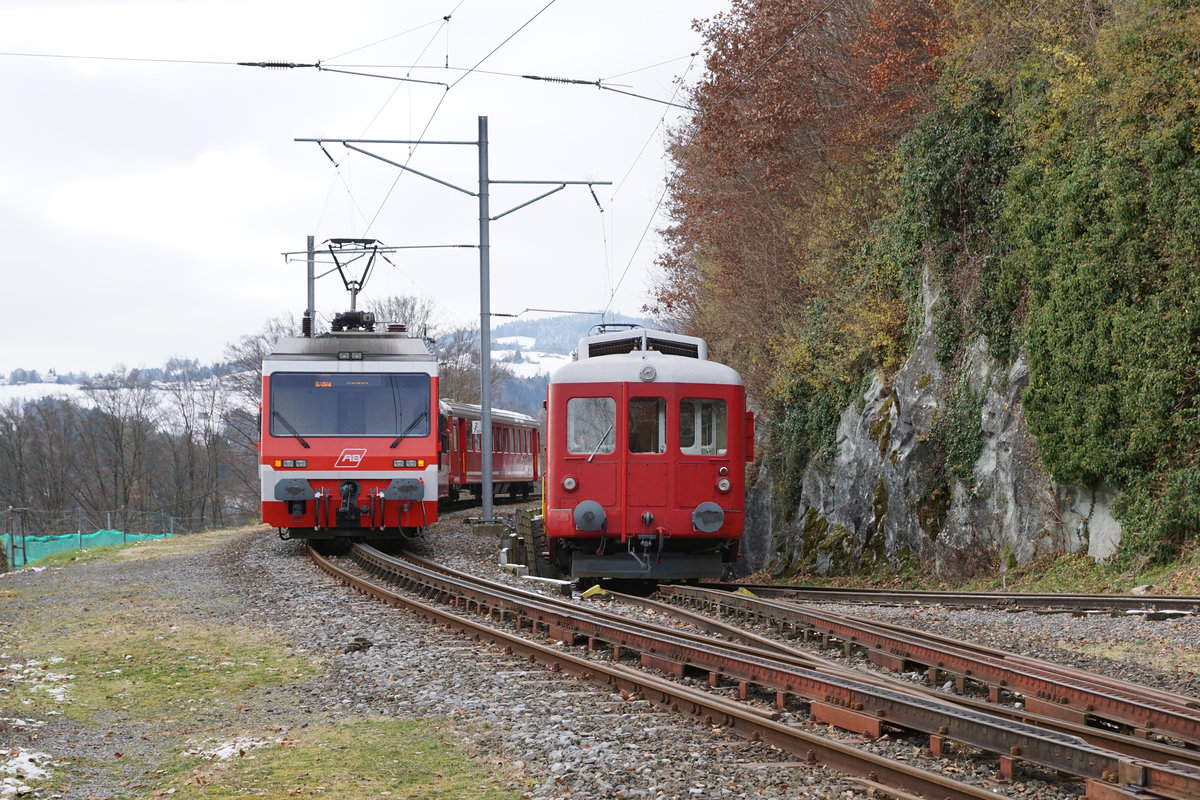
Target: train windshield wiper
{"type": "Point", "coordinates": [288, 425]}
{"type": "Point", "coordinates": [603, 439]}
{"type": "Point", "coordinates": [410, 427]}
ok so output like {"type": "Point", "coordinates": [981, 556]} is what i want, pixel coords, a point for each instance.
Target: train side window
{"type": "Point", "coordinates": [702, 427]}
{"type": "Point", "coordinates": [591, 424]}
{"type": "Point", "coordinates": [647, 425]}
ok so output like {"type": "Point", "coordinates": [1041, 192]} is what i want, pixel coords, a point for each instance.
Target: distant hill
{"type": "Point", "coordinates": [536, 347]}
{"type": "Point", "coordinates": [560, 335]}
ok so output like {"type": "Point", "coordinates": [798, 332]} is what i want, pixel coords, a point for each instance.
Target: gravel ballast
{"type": "Point", "coordinates": [549, 735]}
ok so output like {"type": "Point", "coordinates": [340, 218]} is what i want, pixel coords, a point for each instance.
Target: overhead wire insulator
{"type": "Point", "coordinates": [274, 64]}
{"type": "Point", "coordinates": [560, 80]}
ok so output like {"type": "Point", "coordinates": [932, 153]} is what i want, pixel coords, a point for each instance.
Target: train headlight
{"type": "Point", "coordinates": [569, 483]}
{"type": "Point", "coordinates": [723, 485]}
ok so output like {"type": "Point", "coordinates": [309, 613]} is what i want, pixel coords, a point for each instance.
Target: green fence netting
{"type": "Point", "coordinates": [23, 550]}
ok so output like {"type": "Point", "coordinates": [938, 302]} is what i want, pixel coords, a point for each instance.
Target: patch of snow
{"type": "Point", "coordinates": [534, 364]}
{"type": "Point", "coordinates": [520, 342]}
{"type": "Point", "coordinates": [237, 748]}
{"type": "Point", "coordinates": [23, 392]}
{"type": "Point", "coordinates": [38, 677]}
{"type": "Point", "coordinates": [18, 724]}
{"type": "Point", "coordinates": [19, 766]}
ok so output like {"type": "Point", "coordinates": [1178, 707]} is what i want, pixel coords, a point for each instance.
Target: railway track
{"type": "Point", "coordinates": [1014, 601]}
{"type": "Point", "coordinates": [1047, 689]}
{"type": "Point", "coordinates": [853, 703]}
{"type": "Point", "coordinates": [446, 506]}
{"type": "Point", "coordinates": [1133, 747]}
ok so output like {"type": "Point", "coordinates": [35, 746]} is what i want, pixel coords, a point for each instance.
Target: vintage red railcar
{"type": "Point", "coordinates": [646, 446]}
{"type": "Point", "coordinates": [349, 444]}
{"type": "Point", "coordinates": [516, 451]}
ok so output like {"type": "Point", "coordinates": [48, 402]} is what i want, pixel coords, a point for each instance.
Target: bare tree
{"type": "Point", "coordinates": [15, 454]}
{"type": "Point", "coordinates": [54, 473]}
{"type": "Point", "coordinates": [195, 413]}
{"type": "Point", "coordinates": [458, 366]}
{"type": "Point", "coordinates": [116, 440]}
{"type": "Point", "coordinates": [241, 414]}
{"type": "Point", "coordinates": [414, 312]}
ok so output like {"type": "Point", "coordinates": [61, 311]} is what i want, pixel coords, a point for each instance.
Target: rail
{"type": "Point", "coordinates": [850, 703]}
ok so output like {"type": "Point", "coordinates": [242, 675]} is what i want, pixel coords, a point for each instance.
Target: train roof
{"type": "Point", "coordinates": [635, 367]}
{"type": "Point", "coordinates": [642, 339]}
{"type": "Point", "coordinates": [352, 346]}
{"type": "Point", "coordinates": [473, 411]}
{"type": "Point", "coordinates": [642, 355]}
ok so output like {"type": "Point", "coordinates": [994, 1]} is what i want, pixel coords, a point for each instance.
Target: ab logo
{"type": "Point", "coordinates": [351, 457]}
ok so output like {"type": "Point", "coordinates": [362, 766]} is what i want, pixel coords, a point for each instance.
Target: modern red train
{"type": "Point", "coordinates": [646, 446]}
{"type": "Point", "coordinates": [349, 444]}
{"type": "Point", "coordinates": [516, 451]}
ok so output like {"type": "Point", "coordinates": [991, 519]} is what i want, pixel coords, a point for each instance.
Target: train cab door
{"type": "Point", "coordinates": [592, 458]}
{"type": "Point", "coordinates": [646, 467]}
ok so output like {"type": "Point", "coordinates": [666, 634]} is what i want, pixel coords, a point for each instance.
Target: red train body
{"type": "Point", "coordinates": [516, 456]}
{"type": "Point", "coordinates": [349, 442]}
{"type": "Point", "coordinates": [646, 445]}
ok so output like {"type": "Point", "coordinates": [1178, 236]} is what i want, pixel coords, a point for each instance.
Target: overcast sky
{"type": "Point", "coordinates": [148, 191]}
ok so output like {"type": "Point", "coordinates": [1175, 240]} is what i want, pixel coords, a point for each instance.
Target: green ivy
{"type": "Point", "coordinates": [806, 431]}
{"type": "Point", "coordinates": [1103, 217]}
{"type": "Point", "coordinates": [953, 168]}
{"type": "Point", "coordinates": [963, 433]}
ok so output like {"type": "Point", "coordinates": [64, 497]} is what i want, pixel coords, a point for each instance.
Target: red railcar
{"type": "Point", "coordinates": [348, 442]}
{"type": "Point", "coordinates": [516, 451]}
{"type": "Point", "coordinates": [646, 445]}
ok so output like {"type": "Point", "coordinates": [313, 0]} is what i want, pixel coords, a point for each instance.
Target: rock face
{"type": "Point", "coordinates": [887, 492]}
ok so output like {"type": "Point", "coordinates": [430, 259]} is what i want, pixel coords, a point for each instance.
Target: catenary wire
{"type": "Point", "coordinates": [121, 58]}
{"type": "Point", "coordinates": [506, 41]}
{"type": "Point", "coordinates": [386, 38]}
{"type": "Point", "coordinates": [421, 137]}
{"type": "Point", "coordinates": [651, 66]}
{"type": "Point", "coordinates": [662, 121]}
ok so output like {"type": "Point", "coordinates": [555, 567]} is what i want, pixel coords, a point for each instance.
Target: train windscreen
{"type": "Point", "coordinates": [339, 404]}
{"type": "Point", "coordinates": [702, 427]}
{"type": "Point", "coordinates": [590, 425]}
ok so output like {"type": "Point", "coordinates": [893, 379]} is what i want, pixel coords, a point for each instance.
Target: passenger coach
{"type": "Point", "coordinates": [646, 446]}
{"type": "Point", "coordinates": [516, 451]}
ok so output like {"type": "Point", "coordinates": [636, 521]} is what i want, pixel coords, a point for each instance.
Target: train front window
{"type": "Point", "coordinates": [647, 425]}
{"type": "Point", "coordinates": [360, 404]}
{"type": "Point", "coordinates": [702, 427]}
{"type": "Point", "coordinates": [591, 425]}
